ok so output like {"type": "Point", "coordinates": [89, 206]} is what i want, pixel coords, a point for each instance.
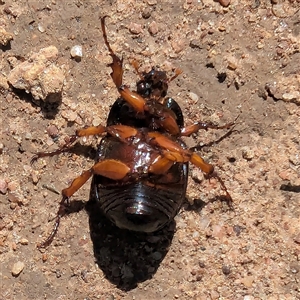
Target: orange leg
{"type": "Point", "coordinates": [188, 130]}
{"type": "Point", "coordinates": [109, 168]}
{"type": "Point", "coordinates": [122, 132]}
{"type": "Point", "coordinates": [135, 64]}
{"type": "Point", "coordinates": [161, 165]}
{"type": "Point", "coordinates": [168, 122]}
{"type": "Point", "coordinates": [175, 153]}
{"type": "Point", "coordinates": [133, 98]}
{"type": "Point", "coordinates": [177, 73]}
{"type": "Point", "coordinates": [178, 153]}
{"type": "Point", "coordinates": [117, 64]}
{"type": "Point", "coordinates": [165, 118]}
{"type": "Point", "coordinates": [72, 139]}
{"type": "Point", "coordinates": [158, 139]}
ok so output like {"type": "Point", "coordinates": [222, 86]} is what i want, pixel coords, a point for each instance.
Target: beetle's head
{"type": "Point", "coordinates": [154, 84]}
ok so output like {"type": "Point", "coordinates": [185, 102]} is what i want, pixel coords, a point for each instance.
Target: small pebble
{"type": "Point", "coordinates": [178, 45]}
{"type": "Point", "coordinates": [41, 28]}
{"type": "Point", "coordinates": [285, 175]}
{"type": "Point", "coordinates": [69, 115]}
{"type": "Point", "coordinates": [262, 93]}
{"type": "Point", "coordinates": [13, 205]}
{"type": "Point", "coordinates": [121, 6]}
{"type": "Point", "coordinates": [135, 28]}
{"type": "Point", "coordinates": [279, 11]}
{"type": "Point", "coordinates": [17, 268]}
{"type": "Point", "coordinates": [2, 225]}
{"type": "Point", "coordinates": [28, 136]}
{"type": "Point", "coordinates": [1, 148]}
{"type": "Point", "coordinates": [214, 295]}
{"type": "Point", "coordinates": [293, 96]}
{"type": "Point", "coordinates": [52, 130]}
{"type": "Point", "coordinates": [14, 246]}
{"type": "Point", "coordinates": [247, 153]}
{"type": "Point", "coordinates": [24, 241]}
{"type": "Point", "coordinates": [76, 52]}
{"type": "Point", "coordinates": [152, 2]}
{"type": "Point", "coordinates": [232, 63]}
{"type": "Point", "coordinates": [196, 44]}
{"type": "Point", "coordinates": [5, 37]}
{"type": "Point", "coordinates": [226, 270]}
{"type": "Point", "coordinates": [247, 281]}
{"type": "Point", "coordinates": [194, 97]}
{"type": "Point", "coordinates": [3, 186]}
{"type": "Point", "coordinates": [237, 229]}
{"type": "Point", "coordinates": [260, 45]}
{"type": "Point", "coordinates": [13, 10]}
{"type": "Point", "coordinates": [224, 3]}
{"type": "Point", "coordinates": [252, 19]}
{"type": "Point", "coordinates": [35, 177]}
{"type": "Point", "coordinates": [153, 28]}
{"type": "Point", "coordinates": [44, 257]}
{"type": "Point", "coordinates": [13, 197]}
{"type": "Point", "coordinates": [297, 238]}
{"type": "Point", "coordinates": [295, 267]}
{"type": "Point", "coordinates": [146, 14]}
{"type": "Point", "coordinates": [96, 121]}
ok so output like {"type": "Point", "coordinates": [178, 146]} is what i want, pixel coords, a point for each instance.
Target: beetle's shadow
{"type": "Point", "coordinates": [126, 257]}
{"type": "Point", "coordinates": [87, 151]}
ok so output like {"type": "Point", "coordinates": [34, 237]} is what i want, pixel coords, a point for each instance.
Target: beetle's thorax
{"type": "Point", "coordinates": [153, 85]}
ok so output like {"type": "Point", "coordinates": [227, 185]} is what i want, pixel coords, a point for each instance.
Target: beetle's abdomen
{"type": "Point", "coordinates": [142, 201]}
{"type": "Point", "coordinates": [140, 206]}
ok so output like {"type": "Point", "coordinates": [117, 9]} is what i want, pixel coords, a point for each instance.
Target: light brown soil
{"type": "Point", "coordinates": [243, 59]}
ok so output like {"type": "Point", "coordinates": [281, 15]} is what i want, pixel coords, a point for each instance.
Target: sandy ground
{"type": "Point", "coordinates": [240, 59]}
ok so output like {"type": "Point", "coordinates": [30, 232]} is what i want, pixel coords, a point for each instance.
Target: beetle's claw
{"type": "Point", "coordinates": [45, 244]}
{"type": "Point", "coordinates": [34, 159]}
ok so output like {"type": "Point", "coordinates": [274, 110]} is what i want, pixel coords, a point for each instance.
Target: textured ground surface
{"type": "Point", "coordinates": [243, 59]}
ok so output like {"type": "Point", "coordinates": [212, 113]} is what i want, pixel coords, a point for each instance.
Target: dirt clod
{"type": "Point", "coordinates": [39, 75]}
{"type": "Point", "coordinates": [5, 37]}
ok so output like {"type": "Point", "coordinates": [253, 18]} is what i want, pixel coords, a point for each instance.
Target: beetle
{"type": "Point", "coordinates": [141, 169]}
